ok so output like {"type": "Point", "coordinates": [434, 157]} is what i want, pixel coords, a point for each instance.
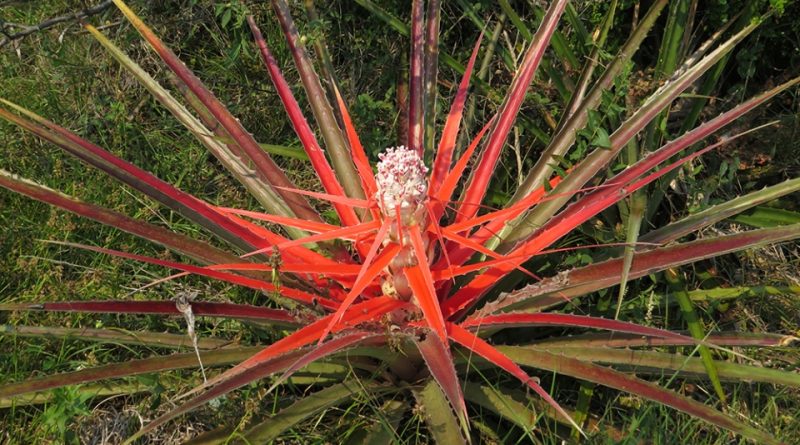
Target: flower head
{"type": "Point", "coordinates": [401, 181]}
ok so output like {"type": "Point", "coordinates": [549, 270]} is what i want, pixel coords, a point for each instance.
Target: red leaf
{"type": "Point", "coordinates": [421, 282]}
{"type": "Point", "coordinates": [444, 154]}
{"type": "Point", "coordinates": [484, 170]}
{"type": "Point", "coordinates": [508, 320]}
{"type": "Point", "coordinates": [311, 226]}
{"type": "Point", "coordinates": [261, 160]}
{"type": "Point", "coordinates": [330, 347]}
{"type": "Point", "coordinates": [240, 280]}
{"type": "Point", "coordinates": [198, 250]}
{"type": "Point", "coordinates": [369, 271]}
{"type": "Point", "coordinates": [301, 127]}
{"type": "Point", "coordinates": [359, 156]}
{"type": "Point", "coordinates": [366, 311]}
{"type": "Point", "coordinates": [200, 308]}
{"type": "Point", "coordinates": [439, 360]}
{"type": "Point", "coordinates": [189, 206]}
{"type": "Point", "coordinates": [443, 194]}
{"type": "Point", "coordinates": [485, 350]}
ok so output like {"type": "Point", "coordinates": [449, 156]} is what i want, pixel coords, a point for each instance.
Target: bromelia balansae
{"type": "Point", "coordinates": [411, 262]}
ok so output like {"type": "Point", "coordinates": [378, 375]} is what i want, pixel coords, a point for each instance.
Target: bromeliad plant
{"type": "Point", "coordinates": [405, 287]}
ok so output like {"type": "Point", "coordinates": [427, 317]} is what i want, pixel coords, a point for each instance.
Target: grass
{"type": "Point", "coordinates": [69, 79]}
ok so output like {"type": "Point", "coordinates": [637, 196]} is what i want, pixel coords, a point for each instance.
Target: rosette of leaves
{"type": "Point", "coordinates": [407, 287]}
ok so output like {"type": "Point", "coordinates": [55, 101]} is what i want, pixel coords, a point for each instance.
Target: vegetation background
{"type": "Point", "coordinates": [63, 74]}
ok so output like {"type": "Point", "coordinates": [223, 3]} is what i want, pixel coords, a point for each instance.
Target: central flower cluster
{"type": "Point", "coordinates": [401, 181]}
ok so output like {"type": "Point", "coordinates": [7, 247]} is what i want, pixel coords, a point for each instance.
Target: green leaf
{"type": "Point", "coordinates": [607, 377]}
{"type": "Point", "coordinates": [601, 138]}
{"type": "Point", "coordinates": [678, 287]}
{"type": "Point", "coordinates": [769, 217]}
{"type": "Point", "coordinates": [438, 414]}
{"type": "Point", "coordinates": [308, 406]}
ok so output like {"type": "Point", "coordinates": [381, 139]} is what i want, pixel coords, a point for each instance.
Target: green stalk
{"type": "Point", "coordinates": [636, 209]}
{"type": "Point", "coordinates": [585, 393]}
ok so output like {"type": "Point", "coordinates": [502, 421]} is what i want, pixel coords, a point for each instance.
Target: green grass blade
{"type": "Point", "coordinates": [383, 430]}
{"type": "Point", "coordinates": [582, 406]}
{"type": "Point", "coordinates": [768, 217]}
{"type": "Point", "coordinates": [731, 293]}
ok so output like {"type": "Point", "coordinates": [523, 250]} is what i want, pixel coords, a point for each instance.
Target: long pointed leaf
{"type": "Point", "coordinates": [323, 113]}
{"type": "Point", "coordinates": [478, 183]}
{"type": "Point", "coordinates": [301, 127]}
{"type": "Point", "coordinates": [497, 358]}
{"type": "Point", "coordinates": [199, 308]}
{"type": "Point", "coordinates": [190, 207]}
{"type": "Point", "coordinates": [195, 249]}
{"type": "Point", "coordinates": [617, 380]}
{"type": "Point", "coordinates": [601, 156]}
{"type": "Point", "coordinates": [439, 360]}
{"type": "Point", "coordinates": [443, 425]}
{"type": "Point", "coordinates": [243, 139]}
{"type": "Point", "coordinates": [444, 154]}
{"type": "Point", "coordinates": [290, 416]}
{"type": "Point", "coordinates": [118, 336]}
{"type": "Point", "coordinates": [294, 294]}
{"type": "Point", "coordinates": [127, 368]}
{"type": "Point", "coordinates": [229, 155]}
{"type": "Point", "coordinates": [598, 276]}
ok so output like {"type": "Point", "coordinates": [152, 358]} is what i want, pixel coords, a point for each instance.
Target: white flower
{"type": "Point", "coordinates": [401, 181]}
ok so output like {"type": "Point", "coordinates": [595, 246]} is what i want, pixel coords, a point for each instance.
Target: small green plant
{"type": "Point", "coordinates": [66, 404]}
{"type": "Point", "coordinates": [408, 298]}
